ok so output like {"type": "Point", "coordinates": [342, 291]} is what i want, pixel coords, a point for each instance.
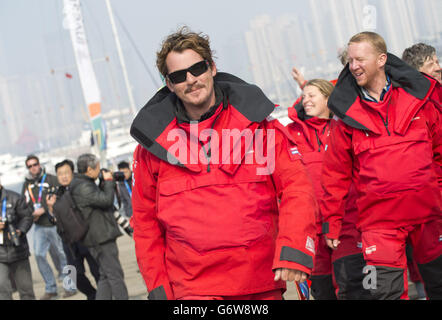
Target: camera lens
{"type": "Point", "coordinates": [118, 176]}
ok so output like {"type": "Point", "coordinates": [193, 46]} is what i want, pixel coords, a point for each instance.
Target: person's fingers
{"type": "Point", "coordinates": [285, 274]}
{"type": "Point", "coordinates": [292, 275]}
{"type": "Point", "coordinates": [277, 274]}
{"type": "Point", "coordinates": [303, 277]}
{"type": "Point", "coordinates": [329, 243]}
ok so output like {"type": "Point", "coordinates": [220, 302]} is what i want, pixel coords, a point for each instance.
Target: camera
{"type": "Point", "coordinates": [117, 175]}
{"type": "Point", "coordinates": [54, 190]}
{"type": "Point", "coordinates": [124, 223]}
{"type": "Point", "coordinates": [11, 229]}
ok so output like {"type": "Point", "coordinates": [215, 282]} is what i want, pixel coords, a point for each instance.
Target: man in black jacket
{"type": "Point", "coordinates": [125, 189]}
{"type": "Point", "coordinates": [76, 253]}
{"type": "Point", "coordinates": [96, 205]}
{"type": "Point", "coordinates": [16, 217]}
{"type": "Point", "coordinates": [45, 236]}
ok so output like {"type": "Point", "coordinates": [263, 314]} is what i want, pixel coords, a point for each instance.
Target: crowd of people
{"type": "Point", "coordinates": [352, 181]}
{"type": "Point", "coordinates": [226, 203]}
{"type": "Point", "coordinates": [99, 213]}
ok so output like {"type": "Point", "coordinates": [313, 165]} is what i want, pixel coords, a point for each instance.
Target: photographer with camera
{"type": "Point", "coordinates": [119, 215]}
{"type": "Point", "coordinates": [96, 206]}
{"type": "Point", "coordinates": [45, 237]}
{"type": "Point", "coordinates": [16, 220]}
{"type": "Point", "coordinates": [76, 253]}
{"type": "Point", "coordinates": [124, 188]}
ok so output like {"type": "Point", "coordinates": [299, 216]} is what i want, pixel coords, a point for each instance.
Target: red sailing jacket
{"type": "Point", "coordinates": [215, 228]}
{"type": "Point", "coordinates": [392, 149]}
{"type": "Point", "coordinates": [312, 136]}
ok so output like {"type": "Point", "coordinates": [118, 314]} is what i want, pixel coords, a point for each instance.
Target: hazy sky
{"type": "Point", "coordinates": [32, 39]}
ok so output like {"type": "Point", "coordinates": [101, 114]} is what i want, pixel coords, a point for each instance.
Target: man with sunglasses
{"type": "Point", "coordinates": [207, 226]}
{"type": "Point", "coordinates": [45, 236]}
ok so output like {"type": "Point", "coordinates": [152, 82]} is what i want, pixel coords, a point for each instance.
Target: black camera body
{"type": "Point", "coordinates": [11, 229]}
{"type": "Point", "coordinates": [54, 190]}
{"type": "Point", "coordinates": [117, 175]}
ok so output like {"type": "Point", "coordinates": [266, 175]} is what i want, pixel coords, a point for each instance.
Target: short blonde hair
{"type": "Point", "coordinates": [373, 38]}
{"type": "Point", "coordinates": [324, 86]}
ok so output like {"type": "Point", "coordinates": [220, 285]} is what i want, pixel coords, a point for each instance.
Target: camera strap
{"type": "Point", "coordinates": [128, 188]}
{"type": "Point", "coordinates": [40, 192]}
{"type": "Point", "coordinates": [3, 218]}
{"type": "Point", "coordinates": [4, 210]}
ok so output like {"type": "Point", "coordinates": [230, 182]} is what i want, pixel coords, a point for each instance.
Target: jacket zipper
{"type": "Point", "coordinates": [317, 137]}
{"type": "Point", "coordinates": [208, 153]}
{"type": "Point", "coordinates": [386, 120]}
{"type": "Point", "coordinates": [318, 140]}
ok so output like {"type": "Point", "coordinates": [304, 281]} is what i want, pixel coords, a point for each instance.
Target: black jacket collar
{"type": "Point", "coordinates": [159, 112]}
{"type": "Point", "coordinates": [347, 91]}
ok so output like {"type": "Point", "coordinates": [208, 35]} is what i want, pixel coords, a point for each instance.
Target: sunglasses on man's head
{"type": "Point", "coordinates": [33, 165]}
{"type": "Point", "coordinates": [196, 70]}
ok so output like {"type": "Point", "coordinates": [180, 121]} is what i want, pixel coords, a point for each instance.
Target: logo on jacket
{"type": "Point", "coordinates": [359, 245]}
{"type": "Point", "coordinates": [310, 245]}
{"type": "Point", "coordinates": [294, 151]}
{"type": "Point", "coordinates": [370, 250]}
{"type": "Point", "coordinates": [440, 238]}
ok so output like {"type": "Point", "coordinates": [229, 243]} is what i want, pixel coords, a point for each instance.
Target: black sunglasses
{"type": "Point", "coordinates": [196, 70]}
{"type": "Point", "coordinates": [33, 165]}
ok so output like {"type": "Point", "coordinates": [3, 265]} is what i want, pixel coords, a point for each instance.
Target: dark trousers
{"type": "Point", "coordinates": [111, 284]}
{"type": "Point", "coordinates": [76, 253]}
{"type": "Point", "coordinates": [21, 273]}
{"type": "Point", "coordinates": [349, 276]}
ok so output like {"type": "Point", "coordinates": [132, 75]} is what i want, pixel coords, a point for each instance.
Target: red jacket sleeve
{"type": "Point", "coordinates": [148, 233]}
{"type": "Point", "coordinates": [297, 209]}
{"type": "Point", "coordinates": [336, 178]}
{"type": "Point", "coordinates": [433, 116]}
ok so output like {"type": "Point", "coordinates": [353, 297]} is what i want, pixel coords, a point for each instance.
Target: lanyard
{"type": "Point", "coordinates": [128, 188]}
{"type": "Point", "coordinates": [4, 209]}
{"type": "Point", "coordinates": [40, 192]}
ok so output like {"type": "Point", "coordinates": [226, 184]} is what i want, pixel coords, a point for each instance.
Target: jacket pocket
{"type": "Point", "coordinates": [383, 247]}
{"type": "Point", "coordinates": [391, 164]}
{"type": "Point", "coordinates": [216, 211]}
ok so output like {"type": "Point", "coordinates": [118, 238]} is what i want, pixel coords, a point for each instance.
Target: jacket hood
{"type": "Point", "coordinates": [297, 112]}
{"type": "Point", "coordinates": [307, 123]}
{"type": "Point", "coordinates": [154, 118]}
{"type": "Point", "coordinates": [347, 93]}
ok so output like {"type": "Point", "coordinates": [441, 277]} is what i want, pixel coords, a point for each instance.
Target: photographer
{"type": "Point", "coordinates": [125, 189]}
{"type": "Point", "coordinates": [16, 220]}
{"type": "Point", "coordinates": [76, 253]}
{"type": "Point", "coordinates": [96, 206]}
{"type": "Point", "coordinates": [45, 237]}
